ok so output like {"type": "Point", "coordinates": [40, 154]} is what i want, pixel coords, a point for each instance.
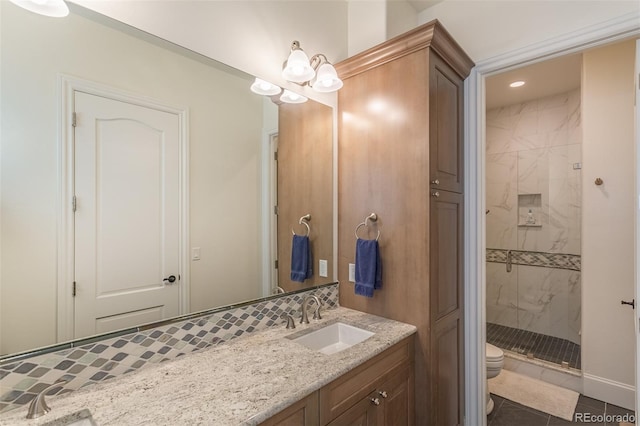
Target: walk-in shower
{"type": "Point", "coordinates": [533, 219]}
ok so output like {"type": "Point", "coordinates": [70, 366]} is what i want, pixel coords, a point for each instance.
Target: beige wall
{"type": "Point", "coordinates": [488, 28]}
{"type": "Point", "coordinates": [224, 148]}
{"type": "Point", "coordinates": [608, 351]}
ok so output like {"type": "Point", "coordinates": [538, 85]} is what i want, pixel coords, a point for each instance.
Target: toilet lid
{"type": "Point", "coordinates": [494, 352]}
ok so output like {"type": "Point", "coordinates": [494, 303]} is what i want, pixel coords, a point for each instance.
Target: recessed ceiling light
{"type": "Point", "coordinates": [518, 83]}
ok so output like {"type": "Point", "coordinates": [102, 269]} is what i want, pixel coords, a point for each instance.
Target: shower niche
{"type": "Point", "coordinates": [529, 210]}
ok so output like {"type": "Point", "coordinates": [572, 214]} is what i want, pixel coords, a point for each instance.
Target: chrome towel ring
{"type": "Point", "coordinates": [372, 217]}
{"type": "Point", "coordinates": [304, 220]}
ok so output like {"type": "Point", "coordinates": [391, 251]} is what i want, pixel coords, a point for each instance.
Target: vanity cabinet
{"type": "Point", "coordinates": [377, 392]}
{"type": "Point", "coordinates": [401, 155]}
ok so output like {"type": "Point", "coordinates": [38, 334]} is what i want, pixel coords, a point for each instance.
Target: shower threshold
{"type": "Point", "coordinates": [538, 346]}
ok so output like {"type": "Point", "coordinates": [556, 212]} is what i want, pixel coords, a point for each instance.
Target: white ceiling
{"type": "Point", "coordinates": [542, 79]}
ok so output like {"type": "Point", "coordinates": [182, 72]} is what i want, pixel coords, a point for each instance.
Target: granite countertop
{"type": "Point", "coordinates": [242, 382]}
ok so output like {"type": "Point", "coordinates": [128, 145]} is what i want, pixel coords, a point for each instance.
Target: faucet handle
{"type": "Point", "coordinates": [290, 322]}
{"type": "Point", "coordinates": [38, 406]}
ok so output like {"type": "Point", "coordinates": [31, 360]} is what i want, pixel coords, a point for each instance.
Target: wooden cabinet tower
{"type": "Point", "coordinates": [400, 155]}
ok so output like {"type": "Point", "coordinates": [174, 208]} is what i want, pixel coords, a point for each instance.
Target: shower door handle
{"type": "Point", "coordinates": [632, 303]}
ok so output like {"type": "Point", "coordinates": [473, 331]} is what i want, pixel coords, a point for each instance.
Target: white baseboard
{"type": "Point", "coordinates": [610, 391]}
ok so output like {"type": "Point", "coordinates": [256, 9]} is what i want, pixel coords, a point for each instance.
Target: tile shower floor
{"type": "Point", "coordinates": [541, 346]}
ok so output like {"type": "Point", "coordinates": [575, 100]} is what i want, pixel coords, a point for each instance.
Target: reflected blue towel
{"type": "Point", "coordinates": [301, 262]}
{"type": "Point", "coordinates": [368, 267]}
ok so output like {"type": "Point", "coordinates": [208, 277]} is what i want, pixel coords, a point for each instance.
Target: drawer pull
{"type": "Point", "coordinates": [375, 401]}
{"type": "Point", "coordinates": [383, 394]}
{"type": "Point", "coordinates": [435, 194]}
{"type": "Point", "coordinates": [436, 182]}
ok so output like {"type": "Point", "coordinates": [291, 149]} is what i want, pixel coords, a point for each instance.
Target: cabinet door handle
{"type": "Point", "coordinates": [436, 182]}
{"type": "Point", "coordinates": [383, 394]}
{"type": "Point", "coordinates": [435, 194]}
{"type": "Point", "coordinates": [375, 401]}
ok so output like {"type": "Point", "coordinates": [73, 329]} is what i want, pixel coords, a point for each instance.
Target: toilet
{"type": "Point", "coordinates": [495, 360]}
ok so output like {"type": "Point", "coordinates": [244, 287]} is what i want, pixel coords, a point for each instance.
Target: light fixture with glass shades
{"type": "Point", "coordinates": [317, 72]}
{"type": "Point", "coordinates": [265, 88]}
{"type": "Point", "coordinates": [290, 97]}
{"type": "Point", "coordinates": [52, 8]}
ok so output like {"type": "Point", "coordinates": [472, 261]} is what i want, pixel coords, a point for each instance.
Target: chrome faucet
{"type": "Point", "coordinates": [38, 406]}
{"type": "Point", "coordinates": [305, 306]}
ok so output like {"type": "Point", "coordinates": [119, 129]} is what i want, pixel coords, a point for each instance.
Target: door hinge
{"type": "Point", "coordinates": [276, 264]}
{"type": "Point", "coordinates": [275, 210]}
{"type": "Point", "coordinates": [74, 119]}
{"type": "Point", "coordinates": [74, 203]}
{"type": "Point", "coordinates": [275, 155]}
{"type": "Point", "coordinates": [73, 290]}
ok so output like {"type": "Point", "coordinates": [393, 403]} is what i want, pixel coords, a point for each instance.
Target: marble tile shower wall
{"type": "Point", "coordinates": [533, 196]}
{"type": "Point", "coordinates": [84, 365]}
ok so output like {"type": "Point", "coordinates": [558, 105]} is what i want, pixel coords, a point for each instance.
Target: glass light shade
{"type": "Point", "coordinates": [265, 88]}
{"type": "Point", "coordinates": [327, 80]}
{"type": "Point", "coordinates": [292, 98]}
{"type": "Point", "coordinates": [53, 8]}
{"type": "Point", "coordinates": [298, 68]}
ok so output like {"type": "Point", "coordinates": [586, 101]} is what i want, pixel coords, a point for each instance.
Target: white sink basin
{"type": "Point", "coordinates": [334, 338]}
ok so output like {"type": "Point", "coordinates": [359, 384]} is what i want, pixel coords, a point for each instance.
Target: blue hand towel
{"type": "Point", "coordinates": [301, 261]}
{"type": "Point", "coordinates": [368, 267]}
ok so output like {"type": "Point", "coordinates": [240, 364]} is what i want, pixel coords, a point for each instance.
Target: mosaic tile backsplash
{"type": "Point", "coordinates": [21, 381]}
{"type": "Point", "coordinates": [532, 258]}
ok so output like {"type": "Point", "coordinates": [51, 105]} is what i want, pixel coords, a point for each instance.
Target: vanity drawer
{"type": "Point", "coordinates": [349, 389]}
{"type": "Point", "coordinates": [302, 413]}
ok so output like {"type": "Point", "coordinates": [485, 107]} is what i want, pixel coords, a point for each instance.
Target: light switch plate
{"type": "Point", "coordinates": [195, 253]}
{"type": "Point", "coordinates": [322, 268]}
{"type": "Point", "coordinates": [352, 272]}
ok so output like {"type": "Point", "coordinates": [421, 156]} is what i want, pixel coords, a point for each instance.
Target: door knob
{"type": "Point", "coordinates": [632, 303]}
{"type": "Point", "coordinates": [171, 279]}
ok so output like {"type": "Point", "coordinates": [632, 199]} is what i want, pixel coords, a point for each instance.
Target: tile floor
{"type": "Point", "coordinates": [547, 348]}
{"type": "Point", "coordinates": [509, 413]}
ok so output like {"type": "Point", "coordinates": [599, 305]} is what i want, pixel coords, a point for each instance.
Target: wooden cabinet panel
{"type": "Point", "coordinates": [363, 413]}
{"type": "Point", "coordinates": [447, 340]}
{"type": "Point", "coordinates": [446, 91]}
{"type": "Point", "coordinates": [346, 391]}
{"type": "Point", "coordinates": [302, 413]}
{"type": "Point", "coordinates": [401, 139]}
{"type": "Point", "coordinates": [398, 405]}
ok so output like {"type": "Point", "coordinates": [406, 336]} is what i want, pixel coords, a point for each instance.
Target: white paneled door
{"type": "Point", "coordinates": [127, 214]}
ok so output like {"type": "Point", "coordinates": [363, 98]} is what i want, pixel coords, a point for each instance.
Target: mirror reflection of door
{"type": "Point", "coordinates": [304, 169]}
{"type": "Point", "coordinates": [127, 224]}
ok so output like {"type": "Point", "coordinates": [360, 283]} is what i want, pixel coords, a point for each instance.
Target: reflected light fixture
{"type": "Point", "coordinates": [52, 8]}
{"type": "Point", "coordinates": [299, 69]}
{"type": "Point", "coordinates": [265, 88]}
{"type": "Point", "coordinates": [518, 83]}
{"type": "Point", "coordinates": [290, 97]}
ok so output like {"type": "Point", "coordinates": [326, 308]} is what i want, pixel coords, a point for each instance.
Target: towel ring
{"type": "Point", "coordinates": [304, 220]}
{"type": "Point", "coordinates": [372, 217]}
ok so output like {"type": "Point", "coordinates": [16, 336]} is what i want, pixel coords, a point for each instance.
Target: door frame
{"type": "Point", "coordinates": [269, 219]}
{"type": "Point", "coordinates": [67, 85]}
{"type": "Point", "coordinates": [617, 29]}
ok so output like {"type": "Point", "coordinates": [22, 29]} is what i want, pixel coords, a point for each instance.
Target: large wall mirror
{"type": "Point", "coordinates": [229, 179]}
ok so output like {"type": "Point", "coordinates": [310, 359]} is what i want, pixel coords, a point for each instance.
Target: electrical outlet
{"type": "Point", "coordinates": [322, 268]}
{"type": "Point", "coordinates": [195, 253]}
{"type": "Point", "coordinates": [352, 272]}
